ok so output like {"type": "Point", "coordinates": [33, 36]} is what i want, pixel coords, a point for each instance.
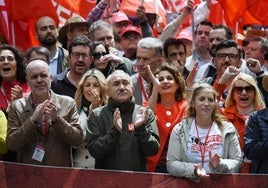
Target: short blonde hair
{"type": "Point", "coordinates": [258, 101]}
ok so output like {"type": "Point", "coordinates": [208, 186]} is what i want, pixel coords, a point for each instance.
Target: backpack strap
{"type": "Point", "coordinates": [60, 59]}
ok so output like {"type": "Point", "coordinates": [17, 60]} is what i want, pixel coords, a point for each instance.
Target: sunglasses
{"type": "Point", "coordinates": [240, 89]}
{"type": "Point", "coordinates": [97, 55]}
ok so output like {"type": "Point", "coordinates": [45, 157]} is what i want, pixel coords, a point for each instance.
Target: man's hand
{"type": "Point", "coordinates": [191, 76]}
{"type": "Point", "coordinates": [117, 121]}
{"type": "Point", "coordinates": [229, 73]}
{"type": "Point", "coordinates": [140, 13]}
{"type": "Point", "coordinates": [49, 108]}
{"type": "Point", "coordinates": [254, 65]}
{"type": "Point", "coordinates": [141, 117]}
{"type": "Point", "coordinates": [189, 7]}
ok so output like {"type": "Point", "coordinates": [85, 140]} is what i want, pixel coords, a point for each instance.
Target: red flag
{"type": "Point", "coordinates": [18, 17]}
{"type": "Point", "coordinates": [247, 11]}
{"type": "Point", "coordinates": [216, 15]}
{"type": "Point", "coordinates": [28, 9]}
{"type": "Point", "coordinates": [259, 11]}
{"type": "Point", "coordinates": [67, 8]}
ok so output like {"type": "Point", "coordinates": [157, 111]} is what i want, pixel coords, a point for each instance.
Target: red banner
{"type": "Point", "coordinates": [18, 17]}
{"type": "Point", "coordinates": [19, 175]}
{"type": "Point", "coordinates": [245, 12]}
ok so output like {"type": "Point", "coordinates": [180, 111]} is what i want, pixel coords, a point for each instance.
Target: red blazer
{"type": "Point", "coordinates": [164, 128]}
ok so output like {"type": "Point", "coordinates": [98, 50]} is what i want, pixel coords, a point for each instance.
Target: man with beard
{"type": "Point", "coordinates": [47, 34]}
{"type": "Point", "coordinates": [80, 58]}
{"type": "Point", "coordinates": [227, 59]}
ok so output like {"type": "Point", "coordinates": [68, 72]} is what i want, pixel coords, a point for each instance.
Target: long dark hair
{"type": "Point", "coordinates": [181, 91]}
{"type": "Point", "coordinates": [21, 71]}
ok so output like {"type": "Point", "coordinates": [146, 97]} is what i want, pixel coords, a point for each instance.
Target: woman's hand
{"type": "Point", "coordinates": [16, 93]}
{"type": "Point", "coordinates": [214, 160]}
{"type": "Point", "coordinates": [200, 172]}
{"type": "Point", "coordinates": [95, 98]}
{"type": "Point", "coordinates": [154, 79]}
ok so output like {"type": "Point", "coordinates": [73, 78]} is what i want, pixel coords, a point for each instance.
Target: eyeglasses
{"type": "Point", "coordinates": [240, 89]}
{"type": "Point", "coordinates": [77, 55]}
{"type": "Point", "coordinates": [222, 56]}
{"type": "Point", "coordinates": [8, 58]}
{"type": "Point", "coordinates": [97, 55]}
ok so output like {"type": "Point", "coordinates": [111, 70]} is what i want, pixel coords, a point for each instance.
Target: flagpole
{"type": "Point", "coordinates": [193, 29]}
{"type": "Point", "coordinates": [13, 34]}
{"type": "Point", "coordinates": [236, 30]}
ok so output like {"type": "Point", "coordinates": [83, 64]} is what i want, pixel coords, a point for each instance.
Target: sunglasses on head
{"type": "Point", "coordinates": [98, 55]}
{"type": "Point", "coordinates": [240, 89]}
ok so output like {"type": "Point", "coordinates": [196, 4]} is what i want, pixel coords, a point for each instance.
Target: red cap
{"type": "Point", "coordinates": [120, 17]}
{"type": "Point", "coordinates": [185, 34]}
{"type": "Point", "coordinates": [130, 28]}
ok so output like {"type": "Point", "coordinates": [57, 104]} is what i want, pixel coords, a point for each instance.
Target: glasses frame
{"type": "Point", "coordinates": [222, 56]}
{"type": "Point", "coordinates": [240, 89]}
{"type": "Point", "coordinates": [77, 55]}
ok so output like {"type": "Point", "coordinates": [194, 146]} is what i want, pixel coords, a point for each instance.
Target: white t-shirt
{"type": "Point", "coordinates": [201, 141]}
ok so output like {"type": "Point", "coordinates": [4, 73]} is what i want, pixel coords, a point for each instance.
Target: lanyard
{"type": "Point", "coordinates": [202, 150]}
{"type": "Point", "coordinates": [142, 89]}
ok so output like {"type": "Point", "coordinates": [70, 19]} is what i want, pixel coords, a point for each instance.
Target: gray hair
{"type": "Point", "coordinates": [98, 25]}
{"type": "Point", "coordinates": [152, 43]}
{"type": "Point", "coordinates": [117, 72]}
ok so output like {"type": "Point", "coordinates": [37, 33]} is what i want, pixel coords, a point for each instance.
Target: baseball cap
{"type": "Point", "coordinates": [120, 17]}
{"type": "Point", "coordinates": [130, 28]}
{"type": "Point", "coordinates": [184, 34]}
{"type": "Point", "coordinates": [69, 24]}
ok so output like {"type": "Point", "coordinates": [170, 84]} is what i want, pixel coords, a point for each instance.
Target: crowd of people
{"type": "Point", "coordinates": [111, 94]}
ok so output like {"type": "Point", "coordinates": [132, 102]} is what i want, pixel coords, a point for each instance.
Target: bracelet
{"type": "Point", "coordinates": [259, 73]}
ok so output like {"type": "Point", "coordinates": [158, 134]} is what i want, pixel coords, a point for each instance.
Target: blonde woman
{"type": "Point", "coordinates": [203, 142]}
{"type": "Point", "coordinates": [90, 94]}
{"type": "Point", "coordinates": [244, 97]}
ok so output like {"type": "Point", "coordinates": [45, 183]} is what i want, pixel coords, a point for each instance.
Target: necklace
{"type": "Point", "coordinates": [202, 148]}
